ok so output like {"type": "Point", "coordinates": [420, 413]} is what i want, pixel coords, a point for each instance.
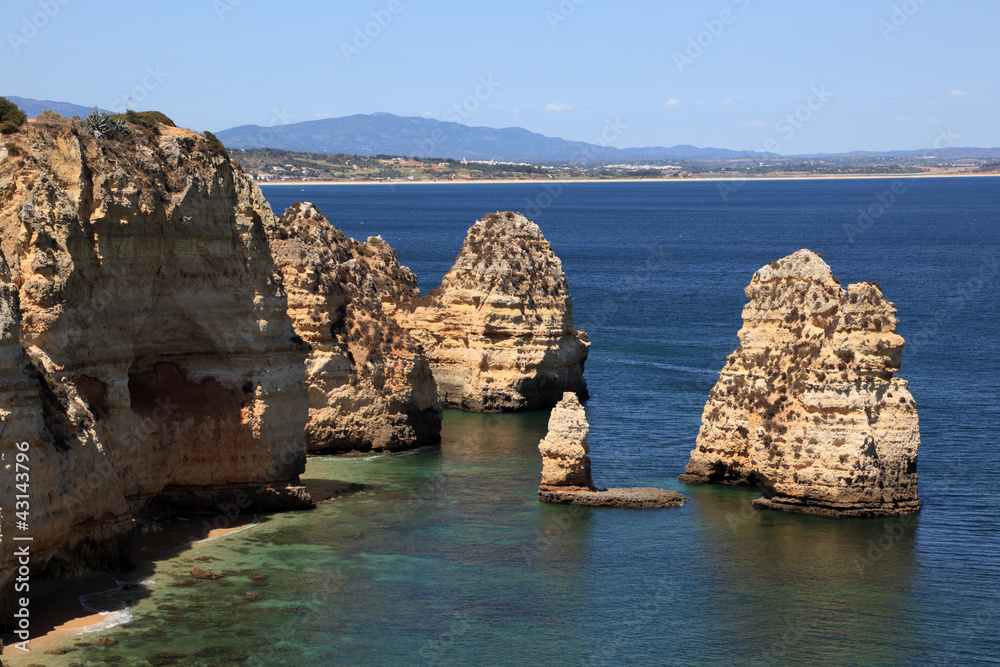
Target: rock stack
{"type": "Point", "coordinates": [370, 385]}
{"type": "Point", "coordinates": [566, 466]}
{"type": "Point", "coordinates": [499, 330]}
{"type": "Point", "coordinates": [807, 406]}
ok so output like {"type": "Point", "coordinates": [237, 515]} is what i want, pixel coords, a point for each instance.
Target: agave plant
{"type": "Point", "coordinates": [106, 124]}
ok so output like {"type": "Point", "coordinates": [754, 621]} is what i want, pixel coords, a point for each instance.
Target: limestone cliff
{"type": "Point", "coordinates": [48, 443]}
{"type": "Point", "coordinates": [370, 385]}
{"type": "Point", "coordinates": [150, 301]}
{"type": "Point", "coordinates": [566, 466]}
{"type": "Point", "coordinates": [499, 330]}
{"type": "Point", "coordinates": [807, 406]}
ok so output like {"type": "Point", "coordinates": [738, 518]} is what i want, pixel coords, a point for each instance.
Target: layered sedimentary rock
{"type": "Point", "coordinates": [370, 385]}
{"type": "Point", "coordinates": [566, 467]}
{"type": "Point", "coordinates": [149, 301]}
{"type": "Point", "coordinates": [807, 406]}
{"type": "Point", "coordinates": [499, 329]}
{"type": "Point", "coordinates": [565, 463]}
{"type": "Point", "coordinates": [57, 485]}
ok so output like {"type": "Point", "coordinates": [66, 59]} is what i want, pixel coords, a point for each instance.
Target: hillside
{"type": "Point", "coordinates": [34, 107]}
{"type": "Point", "coordinates": [387, 134]}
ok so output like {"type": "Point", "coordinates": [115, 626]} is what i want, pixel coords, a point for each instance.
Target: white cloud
{"type": "Point", "coordinates": [673, 102]}
{"type": "Point", "coordinates": [957, 93]}
{"type": "Point", "coordinates": [321, 115]}
{"type": "Point", "coordinates": [427, 114]}
{"type": "Point", "coordinates": [553, 106]}
{"type": "Point", "coordinates": [903, 119]}
{"type": "Point", "coordinates": [754, 123]}
{"type": "Point", "coordinates": [728, 102]}
{"type": "Point", "coordinates": [700, 104]}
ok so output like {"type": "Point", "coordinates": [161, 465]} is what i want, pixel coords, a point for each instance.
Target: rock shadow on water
{"type": "Point", "coordinates": [844, 585]}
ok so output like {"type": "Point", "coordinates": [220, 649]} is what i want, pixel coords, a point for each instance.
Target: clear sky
{"type": "Point", "coordinates": [810, 76]}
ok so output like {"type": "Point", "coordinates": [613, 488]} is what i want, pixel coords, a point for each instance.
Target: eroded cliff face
{"type": "Point", "coordinates": [807, 406]}
{"type": "Point", "coordinates": [499, 330]}
{"type": "Point", "coordinates": [151, 306]}
{"type": "Point", "coordinates": [80, 518]}
{"type": "Point", "coordinates": [370, 385]}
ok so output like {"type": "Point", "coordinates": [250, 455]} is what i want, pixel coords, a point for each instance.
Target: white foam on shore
{"type": "Point", "coordinates": [111, 605]}
{"type": "Point", "coordinates": [110, 620]}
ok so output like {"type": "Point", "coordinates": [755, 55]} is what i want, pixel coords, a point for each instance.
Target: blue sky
{"type": "Point", "coordinates": [798, 76]}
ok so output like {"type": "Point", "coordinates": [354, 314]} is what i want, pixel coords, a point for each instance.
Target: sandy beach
{"type": "Point", "coordinates": [707, 179]}
{"type": "Point", "coordinates": [61, 614]}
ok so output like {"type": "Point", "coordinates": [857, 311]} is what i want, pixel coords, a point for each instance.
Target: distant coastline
{"type": "Point", "coordinates": [706, 179]}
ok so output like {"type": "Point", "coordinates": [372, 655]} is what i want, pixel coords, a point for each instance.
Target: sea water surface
{"type": "Point", "coordinates": [448, 557]}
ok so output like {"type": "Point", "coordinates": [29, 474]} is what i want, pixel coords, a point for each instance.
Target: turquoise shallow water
{"type": "Point", "coordinates": [448, 558]}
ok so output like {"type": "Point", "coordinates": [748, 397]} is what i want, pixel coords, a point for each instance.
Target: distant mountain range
{"type": "Point", "coordinates": [372, 134]}
{"type": "Point", "coordinates": [34, 107]}
{"type": "Point", "coordinates": [384, 133]}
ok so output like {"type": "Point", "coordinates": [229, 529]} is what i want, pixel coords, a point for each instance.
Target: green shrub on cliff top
{"type": "Point", "coordinates": [11, 116]}
{"type": "Point", "coordinates": [214, 142]}
{"type": "Point", "coordinates": [148, 118]}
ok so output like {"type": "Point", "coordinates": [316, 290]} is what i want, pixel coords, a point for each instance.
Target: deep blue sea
{"type": "Point", "coordinates": [449, 559]}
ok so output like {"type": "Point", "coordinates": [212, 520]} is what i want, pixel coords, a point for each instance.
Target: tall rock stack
{"type": "Point", "coordinates": [370, 385]}
{"type": "Point", "coordinates": [565, 464]}
{"type": "Point", "coordinates": [499, 330]}
{"type": "Point", "coordinates": [807, 406]}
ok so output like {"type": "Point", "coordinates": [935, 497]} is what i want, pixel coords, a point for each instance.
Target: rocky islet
{"type": "Point", "coordinates": [566, 476]}
{"type": "Point", "coordinates": [808, 406]}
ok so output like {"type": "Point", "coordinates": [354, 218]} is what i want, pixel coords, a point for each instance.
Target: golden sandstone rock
{"type": "Point", "coordinates": [565, 463]}
{"type": "Point", "coordinates": [499, 330]}
{"type": "Point", "coordinates": [167, 369]}
{"type": "Point", "coordinates": [566, 466]}
{"type": "Point", "coordinates": [807, 406]}
{"type": "Point", "coordinates": [75, 513]}
{"type": "Point", "coordinates": [370, 385]}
